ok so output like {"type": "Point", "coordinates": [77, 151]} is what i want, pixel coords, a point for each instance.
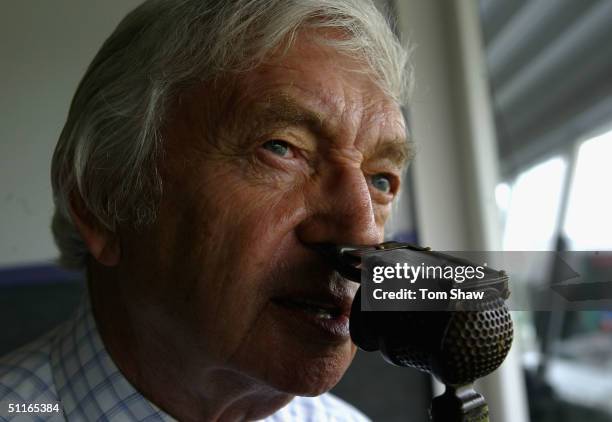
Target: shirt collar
{"type": "Point", "coordinates": [89, 384]}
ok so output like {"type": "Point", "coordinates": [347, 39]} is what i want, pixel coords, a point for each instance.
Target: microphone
{"type": "Point", "coordinates": [456, 345]}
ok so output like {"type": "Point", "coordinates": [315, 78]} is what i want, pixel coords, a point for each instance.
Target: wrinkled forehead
{"type": "Point", "coordinates": [333, 91]}
{"type": "Point", "coordinates": [311, 86]}
{"type": "Point", "coordinates": [322, 71]}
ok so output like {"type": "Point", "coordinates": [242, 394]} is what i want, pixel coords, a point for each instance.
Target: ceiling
{"type": "Point", "coordinates": [550, 72]}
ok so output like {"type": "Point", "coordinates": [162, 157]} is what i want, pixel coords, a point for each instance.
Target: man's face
{"type": "Point", "coordinates": [301, 151]}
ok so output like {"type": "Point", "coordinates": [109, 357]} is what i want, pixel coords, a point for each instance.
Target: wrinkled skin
{"type": "Point", "coordinates": [189, 312]}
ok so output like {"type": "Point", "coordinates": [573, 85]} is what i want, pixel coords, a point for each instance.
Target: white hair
{"type": "Point", "coordinates": [108, 151]}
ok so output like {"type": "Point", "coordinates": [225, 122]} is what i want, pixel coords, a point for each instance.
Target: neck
{"type": "Point", "coordinates": [158, 360]}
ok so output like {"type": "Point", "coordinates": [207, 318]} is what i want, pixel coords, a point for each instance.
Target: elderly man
{"type": "Point", "coordinates": [210, 147]}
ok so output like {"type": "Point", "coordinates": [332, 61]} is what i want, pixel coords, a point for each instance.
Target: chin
{"type": "Point", "coordinates": [294, 357]}
{"type": "Point", "coordinates": [311, 376]}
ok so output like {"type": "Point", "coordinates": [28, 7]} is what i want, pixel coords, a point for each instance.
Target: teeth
{"type": "Point", "coordinates": [312, 304]}
{"type": "Point", "coordinates": [318, 311]}
{"type": "Point", "coordinates": [315, 309]}
{"type": "Point", "coordinates": [323, 314]}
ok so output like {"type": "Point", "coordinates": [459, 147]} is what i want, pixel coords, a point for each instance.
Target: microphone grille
{"type": "Point", "coordinates": [476, 343]}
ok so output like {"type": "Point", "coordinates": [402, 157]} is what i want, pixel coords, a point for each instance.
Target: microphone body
{"type": "Point", "coordinates": [455, 345]}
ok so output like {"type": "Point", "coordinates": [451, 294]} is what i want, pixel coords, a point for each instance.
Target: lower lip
{"type": "Point", "coordinates": [335, 328]}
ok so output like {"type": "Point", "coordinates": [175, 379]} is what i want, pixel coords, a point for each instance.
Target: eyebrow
{"type": "Point", "coordinates": [398, 151]}
{"type": "Point", "coordinates": [282, 109]}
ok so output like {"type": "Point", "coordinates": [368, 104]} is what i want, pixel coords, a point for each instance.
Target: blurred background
{"type": "Point", "coordinates": [512, 116]}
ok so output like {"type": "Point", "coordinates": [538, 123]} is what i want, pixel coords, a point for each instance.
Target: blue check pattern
{"type": "Point", "coordinates": [70, 367]}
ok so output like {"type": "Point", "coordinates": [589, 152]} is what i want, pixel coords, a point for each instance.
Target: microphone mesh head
{"type": "Point", "coordinates": [456, 347]}
{"type": "Point", "coordinates": [475, 344]}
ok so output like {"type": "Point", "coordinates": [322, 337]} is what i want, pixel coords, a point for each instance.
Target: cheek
{"type": "Point", "coordinates": [245, 213]}
{"type": "Point", "coordinates": [237, 223]}
{"type": "Point", "coordinates": [381, 215]}
{"type": "Point", "coordinates": [227, 241]}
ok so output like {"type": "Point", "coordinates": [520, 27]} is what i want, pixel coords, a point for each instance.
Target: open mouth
{"type": "Point", "coordinates": [324, 315]}
{"type": "Point", "coordinates": [316, 309]}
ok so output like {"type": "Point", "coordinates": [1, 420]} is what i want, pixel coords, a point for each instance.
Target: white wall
{"type": "Point", "coordinates": [439, 187]}
{"type": "Point", "coordinates": [45, 47]}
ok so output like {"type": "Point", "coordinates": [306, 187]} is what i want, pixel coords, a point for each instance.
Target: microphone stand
{"type": "Point", "coordinates": [459, 404]}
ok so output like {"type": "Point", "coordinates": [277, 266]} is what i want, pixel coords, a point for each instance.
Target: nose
{"type": "Point", "coordinates": [341, 211]}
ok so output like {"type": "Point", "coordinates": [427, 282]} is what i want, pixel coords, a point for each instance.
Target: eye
{"type": "Point", "coordinates": [278, 147]}
{"type": "Point", "coordinates": [382, 182]}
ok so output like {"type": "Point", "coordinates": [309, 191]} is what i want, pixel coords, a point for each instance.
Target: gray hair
{"type": "Point", "coordinates": [109, 148]}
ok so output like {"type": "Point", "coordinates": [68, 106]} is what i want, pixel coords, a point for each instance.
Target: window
{"type": "Point", "coordinates": [588, 225]}
{"type": "Point", "coordinates": [532, 206]}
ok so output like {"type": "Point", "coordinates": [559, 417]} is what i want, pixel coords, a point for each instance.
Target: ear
{"type": "Point", "coordinates": [103, 244]}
